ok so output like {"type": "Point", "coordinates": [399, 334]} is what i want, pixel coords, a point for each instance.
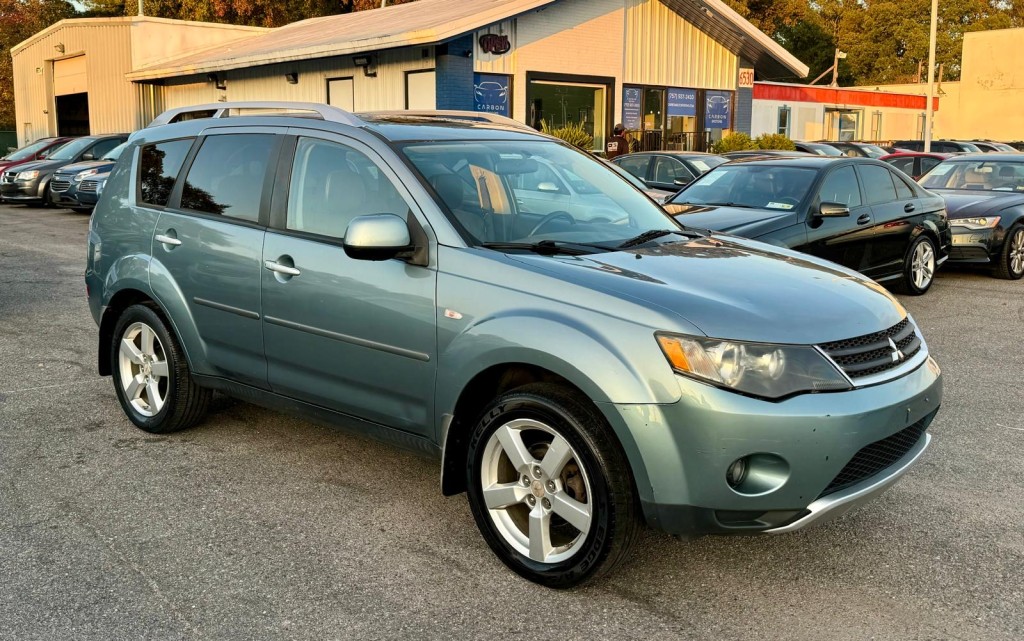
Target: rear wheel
{"type": "Point", "coordinates": [151, 375]}
{"type": "Point", "coordinates": [550, 487]}
{"type": "Point", "coordinates": [919, 267]}
{"type": "Point", "coordinates": [1011, 259]}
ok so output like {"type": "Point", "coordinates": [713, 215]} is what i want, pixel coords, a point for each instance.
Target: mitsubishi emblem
{"type": "Point", "coordinates": [897, 355]}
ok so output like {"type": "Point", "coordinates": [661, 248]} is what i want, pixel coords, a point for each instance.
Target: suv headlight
{"type": "Point", "coordinates": [28, 175]}
{"type": "Point", "coordinates": [82, 175]}
{"type": "Point", "coordinates": [757, 369]}
{"type": "Point", "coordinates": [975, 223]}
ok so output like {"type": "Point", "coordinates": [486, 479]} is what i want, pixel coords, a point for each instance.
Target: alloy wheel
{"type": "Point", "coordinates": [922, 266]}
{"type": "Point", "coordinates": [143, 371]}
{"type": "Point", "coordinates": [536, 491]}
{"type": "Point", "coordinates": [1017, 252]}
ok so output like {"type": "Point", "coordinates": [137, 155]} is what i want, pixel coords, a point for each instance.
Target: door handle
{"type": "Point", "coordinates": [280, 269]}
{"type": "Point", "coordinates": [167, 240]}
{"type": "Point", "coordinates": [864, 219]}
{"type": "Point", "coordinates": [909, 207]}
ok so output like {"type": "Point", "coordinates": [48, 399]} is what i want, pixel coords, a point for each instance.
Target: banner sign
{"type": "Point", "coordinates": [632, 107]}
{"type": "Point", "coordinates": [717, 109]}
{"type": "Point", "coordinates": [682, 102]}
{"type": "Point", "coordinates": [491, 93]}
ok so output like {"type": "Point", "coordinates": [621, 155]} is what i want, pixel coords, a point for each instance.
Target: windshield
{"type": "Point", "coordinates": [534, 191]}
{"type": "Point", "coordinates": [115, 153]}
{"type": "Point", "coordinates": [980, 175]}
{"type": "Point", "coordinates": [704, 164]}
{"type": "Point", "coordinates": [826, 150]}
{"type": "Point", "coordinates": [970, 146]}
{"type": "Point", "coordinates": [28, 151]}
{"type": "Point", "coordinates": [873, 151]}
{"type": "Point", "coordinates": [72, 149]}
{"type": "Point", "coordinates": [761, 186]}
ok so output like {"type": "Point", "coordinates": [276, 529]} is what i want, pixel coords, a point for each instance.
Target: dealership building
{"type": "Point", "coordinates": [678, 72]}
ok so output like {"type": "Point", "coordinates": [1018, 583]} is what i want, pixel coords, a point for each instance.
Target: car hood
{"type": "Point", "coordinates": [740, 221]}
{"type": "Point", "coordinates": [43, 165]}
{"type": "Point", "coordinates": [971, 204]}
{"type": "Point", "coordinates": [735, 288]}
{"type": "Point", "coordinates": [74, 168]}
{"type": "Point", "coordinates": [20, 165]}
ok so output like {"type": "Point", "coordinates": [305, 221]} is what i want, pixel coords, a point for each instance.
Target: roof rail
{"type": "Point", "coordinates": [223, 109]}
{"type": "Point", "coordinates": [451, 114]}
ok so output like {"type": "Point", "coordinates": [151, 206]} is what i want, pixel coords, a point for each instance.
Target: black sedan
{"type": "Point", "coordinates": [29, 184]}
{"type": "Point", "coordinates": [985, 199]}
{"type": "Point", "coordinates": [817, 148]}
{"type": "Point", "coordinates": [668, 170]}
{"type": "Point", "coordinates": [856, 212]}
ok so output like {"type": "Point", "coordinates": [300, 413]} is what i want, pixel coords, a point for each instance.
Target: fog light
{"type": "Point", "coordinates": [737, 472]}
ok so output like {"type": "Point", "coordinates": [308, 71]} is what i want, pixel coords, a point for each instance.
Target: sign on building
{"type": "Point", "coordinates": [632, 107]}
{"type": "Point", "coordinates": [491, 93]}
{"type": "Point", "coordinates": [682, 102]}
{"type": "Point", "coordinates": [717, 109]}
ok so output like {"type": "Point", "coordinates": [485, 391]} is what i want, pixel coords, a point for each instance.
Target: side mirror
{"type": "Point", "coordinates": [88, 156]}
{"type": "Point", "coordinates": [547, 187]}
{"type": "Point", "coordinates": [833, 210]}
{"type": "Point", "coordinates": [681, 182]}
{"type": "Point", "coordinates": [377, 237]}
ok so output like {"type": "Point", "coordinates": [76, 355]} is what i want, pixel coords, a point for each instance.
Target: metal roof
{"type": "Point", "coordinates": [426, 22]}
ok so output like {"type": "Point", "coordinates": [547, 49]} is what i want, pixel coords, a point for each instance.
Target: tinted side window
{"type": "Point", "coordinates": [332, 184]}
{"type": "Point", "coordinates": [903, 190]}
{"type": "Point", "coordinates": [927, 164]}
{"type": "Point", "coordinates": [878, 187]}
{"type": "Point", "coordinates": [227, 175]}
{"type": "Point", "coordinates": [840, 186]}
{"type": "Point", "coordinates": [906, 165]}
{"type": "Point", "coordinates": [101, 148]}
{"type": "Point", "coordinates": [636, 165]}
{"type": "Point", "coordinates": [667, 170]}
{"type": "Point", "coordinates": [158, 167]}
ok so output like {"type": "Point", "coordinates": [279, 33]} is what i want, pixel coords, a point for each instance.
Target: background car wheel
{"type": "Point", "coordinates": [81, 210]}
{"type": "Point", "coordinates": [550, 487]}
{"type": "Point", "coordinates": [151, 375]}
{"type": "Point", "coordinates": [1011, 260]}
{"type": "Point", "coordinates": [919, 267]}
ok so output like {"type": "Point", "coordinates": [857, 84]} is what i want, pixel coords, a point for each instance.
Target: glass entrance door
{"type": "Point", "coordinates": [560, 104]}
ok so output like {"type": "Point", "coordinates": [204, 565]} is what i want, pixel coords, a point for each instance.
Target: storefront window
{"type": "Point", "coordinates": [568, 103]}
{"type": "Point", "coordinates": [842, 124]}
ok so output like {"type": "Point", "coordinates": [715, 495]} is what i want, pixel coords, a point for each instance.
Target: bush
{"type": "Point", "coordinates": [774, 141]}
{"type": "Point", "coordinates": [737, 141]}
{"type": "Point", "coordinates": [572, 133]}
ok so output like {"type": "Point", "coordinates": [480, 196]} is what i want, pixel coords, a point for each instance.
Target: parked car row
{"type": "Point", "coordinates": [69, 172]}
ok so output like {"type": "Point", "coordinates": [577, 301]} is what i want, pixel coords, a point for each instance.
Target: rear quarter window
{"type": "Point", "coordinates": [159, 165]}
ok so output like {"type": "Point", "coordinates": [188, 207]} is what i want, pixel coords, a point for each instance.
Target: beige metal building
{"type": "Point", "coordinates": [70, 78]}
{"type": "Point", "coordinates": [678, 72]}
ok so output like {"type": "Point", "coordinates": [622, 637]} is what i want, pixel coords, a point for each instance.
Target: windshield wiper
{"type": "Point", "coordinates": [730, 204]}
{"type": "Point", "coordinates": [654, 234]}
{"type": "Point", "coordinates": [550, 247]}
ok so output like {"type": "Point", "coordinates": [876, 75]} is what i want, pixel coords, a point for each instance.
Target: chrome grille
{"type": "Point", "coordinates": [58, 185]}
{"type": "Point", "coordinates": [10, 176]}
{"type": "Point", "coordinates": [88, 186]}
{"type": "Point", "coordinates": [873, 353]}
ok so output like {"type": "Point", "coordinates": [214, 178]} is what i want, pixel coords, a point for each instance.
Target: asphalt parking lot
{"type": "Point", "coordinates": [255, 525]}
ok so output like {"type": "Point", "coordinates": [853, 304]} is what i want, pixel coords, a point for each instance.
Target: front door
{"type": "Point", "coordinates": [843, 239]}
{"type": "Point", "coordinates": [354, 336]}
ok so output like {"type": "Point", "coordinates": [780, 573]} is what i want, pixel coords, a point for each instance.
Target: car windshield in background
{"type": "Point", "coordinates": [115, 153]}
{"type": "Point", "coordinates": [704, 165]}
{"type": "Point", "coordinates": [534, 191]}
{"type": "Point", "coordinates": [978, 175]}
{"type": "Point", "coordinates": [70, 150]}
{"type": "Point", "coordinates": [760, 186]}
{"type": "Point", "coordinates": [874, 151]}
{"type": "Point", "coordinates": [26, 152]}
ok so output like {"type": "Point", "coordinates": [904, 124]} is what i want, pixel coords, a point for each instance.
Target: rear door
{"type": "Point", "coordinates": [666, 170]}
{"type": "Point", "coordinates": [354, 336]}
{"type": "Point", "coordinates": [895, 209]}
{"type": "Point", "coordinates": [209, 243]}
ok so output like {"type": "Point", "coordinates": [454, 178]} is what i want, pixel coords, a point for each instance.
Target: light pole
{"type": "Point", "coordinates": [929, 114]}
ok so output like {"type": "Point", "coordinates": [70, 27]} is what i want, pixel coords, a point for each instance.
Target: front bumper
{"type": "Point", "coordinates": [975, 245]}
{"type": "Point", "coordinates": [680, 453]}
{"type": "Point", "coordinates": [22, 191]}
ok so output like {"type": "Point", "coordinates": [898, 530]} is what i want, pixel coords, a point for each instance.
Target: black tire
{"type": "Point", "coordinates": [615, 521]}
{"type": "Point", "coordinates": [81, 210]}
{"type": "Point", "coordinates": [1005, 267]}
{"type": "Point", "coordinates": [907, 283]}
{"type": "Point", "coordinates": [184, 402]}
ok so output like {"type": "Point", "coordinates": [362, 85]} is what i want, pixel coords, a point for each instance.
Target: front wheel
{"type": "Point", "coordinates": [1011, 259]}
{"type": "Point", "coordinates": [550, 488]}
{"type": "Point", "coordinates": [919, 266]}
{"type": "Point", "coordinates": [151, 375]}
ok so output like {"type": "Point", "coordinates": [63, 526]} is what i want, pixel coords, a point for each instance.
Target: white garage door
{"type": "Point", "coordinates": [69, 76]}
{"type": "Point", "coordinates": [341, 93]}
{"type": "Point", "coordinates": [420, 90]}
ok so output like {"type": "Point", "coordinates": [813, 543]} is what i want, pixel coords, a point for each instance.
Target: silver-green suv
{"type": "Point", "coordinates": [405, 275]}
